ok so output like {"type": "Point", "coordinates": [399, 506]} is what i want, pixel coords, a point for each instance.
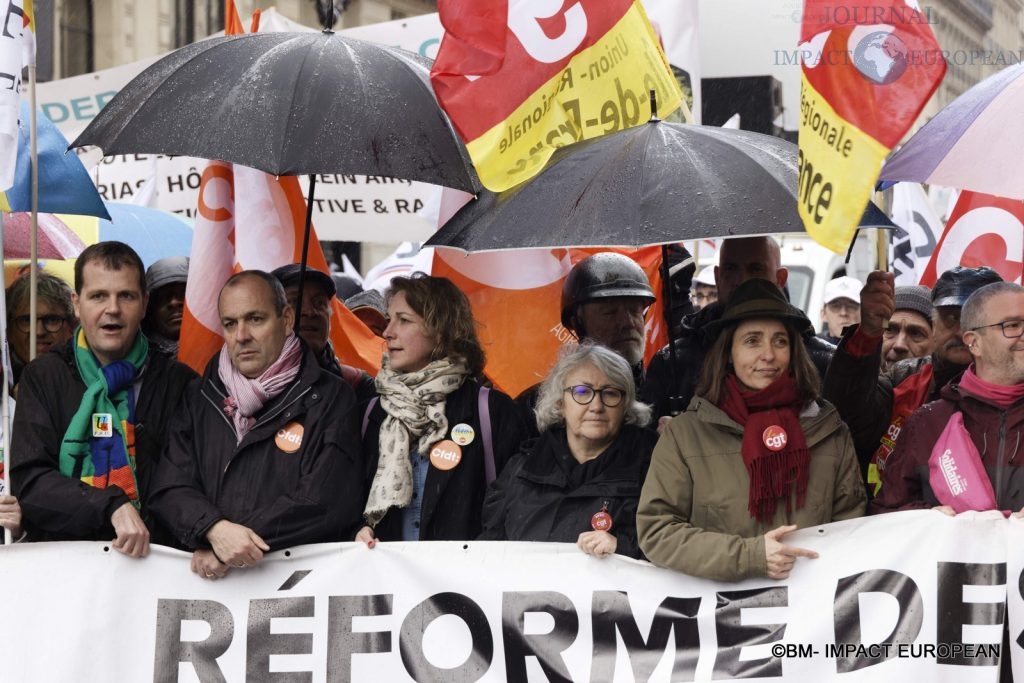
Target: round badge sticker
{"type": "Point", "coordinates": [445, 455]}
{"type": "Point", "coordinates": [775, 438]}
{"type": "Point", "coordinates": [463, 434]}
{"type": "Point", "coordinates": [289, 437]}
{"type": "Point", "coordinates": [601, 521]}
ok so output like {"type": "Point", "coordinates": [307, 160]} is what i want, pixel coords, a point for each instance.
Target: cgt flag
{"type": "Point", "coordinates": [519, 78]}
{"type": "Point", "coordinates": [983, 230]}
{"type": "Point", "coordinates": [869, 67]}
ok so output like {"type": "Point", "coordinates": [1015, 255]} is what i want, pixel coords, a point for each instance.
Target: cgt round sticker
{"type": "Point", "coordinates": [775, 438]}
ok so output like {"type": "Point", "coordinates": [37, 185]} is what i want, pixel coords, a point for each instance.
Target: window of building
{"type": "Point", "coordinates": [76, 37]}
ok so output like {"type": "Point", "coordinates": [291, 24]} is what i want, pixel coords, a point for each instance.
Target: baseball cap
{"type": "Point", "coordinates": [706, 276]}
{"type": "Point", "coordinates": [844, 287]}
{"type": "Point", "coordinates": [289, 275]}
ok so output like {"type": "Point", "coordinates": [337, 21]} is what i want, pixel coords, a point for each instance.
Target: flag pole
{"type": "Point", "coordinates": [34, 249]}
{"type": "Point", "coordinates": [5, 399]}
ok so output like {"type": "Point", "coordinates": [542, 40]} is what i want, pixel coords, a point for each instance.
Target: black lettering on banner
{"type": "Point", "coordinates": [733, 635]}
{"type": "Point", "coordinates": [342, 642]}
{"type": "Point", "coordinates": [17, 23]}
{"type": "Point", "coordinates": [847, 616]}
{"type": "Point", "coordinates": [203, 654]}
{"type": "Point", "coordinates": [611, 614]}
{"type": "Point", "coordinates": [953, 613]}
{"type": "Point", "coordinates": [812, 190]}
{"type": "Point", "coordinates": [261, 643]}
{"type": "Point", "coordinates": [546, 647]}
{"type": "Point", "coordinates": [410, 639]}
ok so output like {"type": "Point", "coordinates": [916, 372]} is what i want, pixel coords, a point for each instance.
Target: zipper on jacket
{"type": "Point", "coordinates": [1000, 465]}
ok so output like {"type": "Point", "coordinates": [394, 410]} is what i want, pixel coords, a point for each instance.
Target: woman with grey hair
{"type": "Point", "coordinates": [580, 480]}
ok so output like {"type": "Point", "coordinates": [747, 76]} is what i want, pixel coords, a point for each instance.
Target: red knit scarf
{"type": "Point", "coordinates": [772, 473]}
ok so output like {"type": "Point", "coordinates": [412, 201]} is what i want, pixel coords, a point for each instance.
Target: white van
{"type": "Point", "coordinates": [811, 265]}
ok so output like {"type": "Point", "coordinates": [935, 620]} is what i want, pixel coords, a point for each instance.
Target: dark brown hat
{"type": "Point", "coordinates": [759, 298]}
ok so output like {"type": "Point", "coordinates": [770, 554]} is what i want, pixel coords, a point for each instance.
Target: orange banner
{"type": "Point", "coordinates": [516, 300]}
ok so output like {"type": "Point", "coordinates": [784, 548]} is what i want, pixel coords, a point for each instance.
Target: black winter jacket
{"type": "Point", "coordinates": [545, 495]}
{"type": "Point", "coordinates": [452, 499]}
{"type": "Point", "coordinates": [314, 494]}
{"type": "Point", "coordinates": [693, 343]}
{"type": "Point", "coordinates": [56, 507]}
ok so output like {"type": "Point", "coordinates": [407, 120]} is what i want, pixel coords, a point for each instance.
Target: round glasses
{"type": "Point", "coordinates": [51, 323]}
{"type": "Point", "coordinates": [583, 395]}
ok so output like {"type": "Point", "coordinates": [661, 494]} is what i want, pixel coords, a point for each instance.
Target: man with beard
{"type": "Point", "coordinates": [876, 406]}
{"type": "Point", "coordinates": [669, 389]}
{"type": "Point", "coordinates": [990, 395]}
{"type": "Point", "coordinates": [165, 281]}
{"type": "Point", "coordinates": [604, 301]}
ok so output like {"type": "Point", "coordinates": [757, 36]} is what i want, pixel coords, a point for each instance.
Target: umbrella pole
{"type": "Point", "coordinates": [305, 248]}
{"type": "Point", "coordinates": [673, 366]}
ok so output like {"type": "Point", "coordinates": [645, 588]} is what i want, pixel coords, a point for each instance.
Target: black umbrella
{"type": "Point", "coordinates": [289, 104]}
{"type": "Point", "coordinates": [657, 183]}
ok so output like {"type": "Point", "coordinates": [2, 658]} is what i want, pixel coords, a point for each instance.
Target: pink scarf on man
{"type": "Point", "coordinates": [246, 396]}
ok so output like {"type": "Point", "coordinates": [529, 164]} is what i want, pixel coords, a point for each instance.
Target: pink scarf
{"type": "Point", "coordinates": [246, 397]}
{"type": "Point", "coordinates": [997, 394]}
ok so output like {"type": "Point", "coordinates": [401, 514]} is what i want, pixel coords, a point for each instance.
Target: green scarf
{"type": "Point", "coordinates": [99, 444]}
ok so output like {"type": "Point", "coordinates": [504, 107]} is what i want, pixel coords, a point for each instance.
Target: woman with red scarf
{"type": "Point", "coordinates": [756, 455]}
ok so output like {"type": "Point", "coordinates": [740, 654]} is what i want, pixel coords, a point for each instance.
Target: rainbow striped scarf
{"type": "Point", "coordinates": [99, 444]}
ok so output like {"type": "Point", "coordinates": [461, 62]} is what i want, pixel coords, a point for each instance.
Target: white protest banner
{"type": "Point", "coordinates": [914, 596]}
{"type": "Point", "coordinates": [348, 207]}
{"type": "Point", "coordinates": [909, 253]}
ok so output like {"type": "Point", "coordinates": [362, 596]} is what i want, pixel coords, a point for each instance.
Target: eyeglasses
{"type": "Point", "coordinates": [51, 323]}
{"type": "Point", "coordinates": [583, 395]}
{"type": "Point", "coordinates": [1012, 329]}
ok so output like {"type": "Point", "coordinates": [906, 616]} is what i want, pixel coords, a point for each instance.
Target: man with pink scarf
{"type": "Point", "coordinates": [965, 451]}
{"type": "Point", "coordinates": [264, 454]}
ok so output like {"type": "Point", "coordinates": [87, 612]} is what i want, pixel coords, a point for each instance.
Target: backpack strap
{"type": "Point", "coordinates": [484, 410]}
{"type": "Point", "coordinates": [366, 416]}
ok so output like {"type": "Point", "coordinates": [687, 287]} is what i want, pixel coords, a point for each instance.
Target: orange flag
{"type": "Point", "coordinates": [516, 300]}
{"type": "Point", "coordinates": [247, 219]}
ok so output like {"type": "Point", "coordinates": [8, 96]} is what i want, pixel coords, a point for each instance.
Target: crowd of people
{"type": "Point", "coordinates": [748, 425]}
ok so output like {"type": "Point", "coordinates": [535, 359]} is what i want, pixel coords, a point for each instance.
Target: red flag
{"type": "Point", "coordinates": [247, 219]}
{"type": "Point", "coordinates": [517, 84]}
{"type": "Point", "coordinates": [516, 299]}
{"type": "Point", "coordinates": [983, 230]}
{"type": "Point", "coordinates": [869, 67]}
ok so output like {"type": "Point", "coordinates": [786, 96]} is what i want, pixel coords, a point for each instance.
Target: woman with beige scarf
{"type": "Point", "coordinates": [435, 436]}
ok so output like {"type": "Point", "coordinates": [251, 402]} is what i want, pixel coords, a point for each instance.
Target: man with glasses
{"type": "Point", "coordinates": [841, 307]}
{"type": "Point", "coordinates": [876, 405]}
{"type": "Point", "coordinates": [55, 318]}
{"type": "Point", "coordinates": [990, 397]}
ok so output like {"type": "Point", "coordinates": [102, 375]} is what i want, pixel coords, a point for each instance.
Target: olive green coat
{"type": "Point", "coordinates": [693, 514]}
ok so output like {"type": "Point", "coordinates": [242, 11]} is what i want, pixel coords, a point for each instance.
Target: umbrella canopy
{"type": "Point", "coordinates": [653, 184]}
{"type": "Point", "coordinates": [56, 239]}
{"type": "Point", "coordinates": [974, 143]}
{"type": "Point", "coordinates": [152, 233]}
{"type": "Point", "coordinates": [64, 184]}
{"type": "Point", "coordinates": [289, 104]}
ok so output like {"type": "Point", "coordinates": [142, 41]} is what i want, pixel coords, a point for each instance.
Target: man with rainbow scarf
{"type": "Point", "coordinates": [93, 414]}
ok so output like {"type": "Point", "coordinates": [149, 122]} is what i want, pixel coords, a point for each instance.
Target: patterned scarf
{"type": "Point", "coordinates": [107, 408]}
{"type": "Point", "coordinates": [772, 473]}
{"type": "Point", "coordinates": [246, 396]}
{"type": "Point", "coordinates": [414, 403]}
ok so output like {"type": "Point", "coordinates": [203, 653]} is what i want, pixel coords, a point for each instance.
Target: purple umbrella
{"type": "Point", "coordinates": [974, 143]}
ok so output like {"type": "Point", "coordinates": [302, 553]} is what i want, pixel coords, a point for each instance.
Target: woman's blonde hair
{"type": "Point", "coordinates": [446, 315]}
